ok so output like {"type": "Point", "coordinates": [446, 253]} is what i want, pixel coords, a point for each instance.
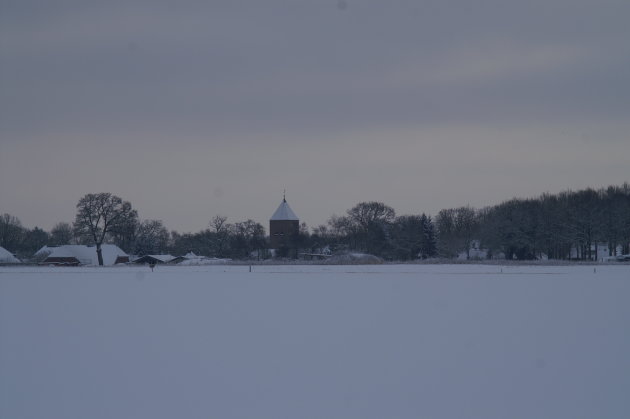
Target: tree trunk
{"type": "Point", "coordinates": [99, 253]}
{"type": "Point", "coordinates": [596, 252]}
{"type": "Point", "coordinates": [610, 248]}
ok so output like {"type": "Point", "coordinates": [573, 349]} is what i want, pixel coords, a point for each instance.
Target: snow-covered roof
{"type": "Point", "coordinates": [192, 259]}
{"type": "Point", "coordinates": [161, 258]}
{"type": "Point", "coordinates": [284, 212]}
{"type": "Point", "coordinates": [7, 257]}
{"type": "Point", "coordinates": [44, 251]}
{"type": "Point", "coordinates": [86, 255]}
{"type": "Point", "coordinates": [202, 260]}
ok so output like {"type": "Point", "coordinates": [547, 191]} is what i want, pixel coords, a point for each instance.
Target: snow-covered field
{"type": "Point", "coordinates": [388, 341]}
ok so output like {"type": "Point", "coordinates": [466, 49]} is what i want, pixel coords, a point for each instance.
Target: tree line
{"type": "Point", "coordinates": [104, 218]}
{"type": "Point", "coordinates": [567, 225]}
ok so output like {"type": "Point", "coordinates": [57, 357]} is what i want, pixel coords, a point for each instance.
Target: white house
{"type": "Point", "coordinates": [599, 251]}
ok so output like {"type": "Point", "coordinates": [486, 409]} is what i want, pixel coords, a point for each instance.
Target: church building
{"type": "Point", "coordinates": [284, 226]}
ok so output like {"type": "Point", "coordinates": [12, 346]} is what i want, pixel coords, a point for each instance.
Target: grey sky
{"type": "Point", "coordinates": [190, 109]}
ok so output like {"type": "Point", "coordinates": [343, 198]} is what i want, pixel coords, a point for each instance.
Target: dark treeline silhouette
{"type": "Point", "coordinates": [374, 228]}
{"type": "Point", "coordinates": [569, 225]}
{"type": "Point", "coordinates": [572, 224]}
{"type": "Point", "coordinates": [240, 240]}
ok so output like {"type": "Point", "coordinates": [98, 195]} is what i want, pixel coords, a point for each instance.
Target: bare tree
{"type": "Point", "coordinates": [247, 236]}
{"type": "Point", "coordinates": [33, 240]}
{"type": "Point", "coordinates": [456, 228]}
{"type": "Point", "coordinates": [466, 226]}
{"type": "Point", "coordinates": [151, 238]}
{"type": "Point", "coordinates": [369, 224]}
{"type": "Point", "coordinates": [61, 234]}
{"type": "Point", "coordinates": [367, 213]}
{"type": "Point", "coordinates": [220, 237]}
{"type": "Point", "coordinates": [11, 232]}
{"type": "Point", "coordinates": [101, 214]}
{"type": "Point", "coordinates": [125, 235]}
{"type": "Point", "coordinates": [219, 223]}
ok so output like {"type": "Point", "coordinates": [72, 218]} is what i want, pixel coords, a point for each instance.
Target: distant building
{"type": "Point", "coordinates": [599, 252]}
{"type": "Point", "coordinates": [477, 252]}
{"type": "Point", "coordinates": [192, 259]}
{"type": "Point", "coordinates": [284, 226]}
{"type": "Point", "coordinates": [154, 259]}
{"type": "Point", "coordinates": [74, 254]}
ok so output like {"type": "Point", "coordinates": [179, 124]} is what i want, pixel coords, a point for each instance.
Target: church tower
{"type": "Point", "coordinates": [284, 226]}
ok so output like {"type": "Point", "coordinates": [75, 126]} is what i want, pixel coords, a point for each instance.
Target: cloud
{"type": "Point", "coordinates": [440, 99]}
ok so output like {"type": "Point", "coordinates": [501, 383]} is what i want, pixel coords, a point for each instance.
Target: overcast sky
{"type": "Point", "coordinates": [190, 109]}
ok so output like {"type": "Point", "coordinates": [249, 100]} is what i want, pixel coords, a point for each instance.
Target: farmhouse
{"type": "Point", "coordinates": [74, 254]}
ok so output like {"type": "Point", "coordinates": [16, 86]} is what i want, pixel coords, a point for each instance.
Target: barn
{"type": "Point", "coordinates": [154, 259]}
{"type": "Point", "coordinates": [74, 255]}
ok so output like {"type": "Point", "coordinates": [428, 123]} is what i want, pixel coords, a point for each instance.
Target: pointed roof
{"type": "Point", "coordinates": [284, 212]}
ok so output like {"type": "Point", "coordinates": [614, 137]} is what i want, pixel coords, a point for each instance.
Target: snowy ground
{"type": "Point", "coordinates": [399, 341]}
